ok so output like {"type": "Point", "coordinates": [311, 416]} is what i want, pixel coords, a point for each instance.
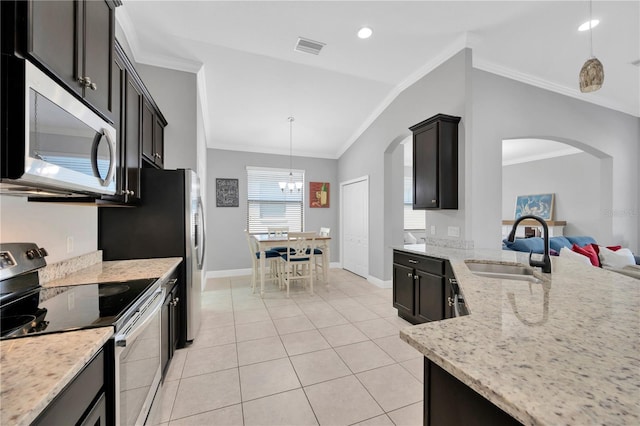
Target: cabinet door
{"type": "Point", "coordinates": [148, 124]}
{"type": "Point", "coordinates": [52, 38]}
{"type": "Point", "coordinates": [429, 296]}
{"type": "Point", "coordinates": [403, 291]}
{"type": "Point", "coordinates": [132, 140]}
{"type": "Point", "coordinates": [158, 143]}
{"type": "Point", "coordinates": [119, 85]}
{"type": "Point", "coordinates": [165, 334]}
{"type": "Point", "coordinates": [98, 53]}
{"type": "Point", "coordinates": [425, 168]}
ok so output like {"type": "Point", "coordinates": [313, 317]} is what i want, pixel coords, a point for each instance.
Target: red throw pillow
{"type": "Point", "coordinates": [588, 251]}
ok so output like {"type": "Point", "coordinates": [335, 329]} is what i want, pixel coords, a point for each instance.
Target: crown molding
{"type": "Point", "coordinates": [493, 68]}
{"type": "Point", "coordinates": [543, 156]}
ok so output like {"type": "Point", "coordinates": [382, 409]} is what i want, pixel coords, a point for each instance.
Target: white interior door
{"type": "Point", "coordinates": [355, 226]}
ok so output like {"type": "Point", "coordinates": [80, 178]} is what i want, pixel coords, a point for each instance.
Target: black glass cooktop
{"type": "Point", "coordinates": [73, 307]}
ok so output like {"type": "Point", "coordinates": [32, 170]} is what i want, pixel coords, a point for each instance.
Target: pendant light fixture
{"type": "Point", "coordinates": [291, 184]}
{"type": "Point", "coordinates": [592, 72]}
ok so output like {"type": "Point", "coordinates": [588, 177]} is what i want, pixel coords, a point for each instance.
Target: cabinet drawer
{"type": "Point", "coordinates": [422, 263]}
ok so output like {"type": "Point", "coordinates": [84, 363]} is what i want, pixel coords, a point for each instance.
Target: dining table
{"type": "Point", "coordinates": [268, 241]}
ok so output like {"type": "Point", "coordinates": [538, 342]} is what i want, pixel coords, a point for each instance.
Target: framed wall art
{"type": "Point", "coordinates": [227, 192]}
{"type": "Point", "coordinates": [319, 194]}
{"type": "Point", "coordinates": [540, 205]}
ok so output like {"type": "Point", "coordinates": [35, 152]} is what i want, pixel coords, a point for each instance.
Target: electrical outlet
{"type": "Point", "coordinates": [433, 230]}
{"type": "Point", "coordinates": [69, 244]}
{"type": "Point", "coordinates": [453, 231]}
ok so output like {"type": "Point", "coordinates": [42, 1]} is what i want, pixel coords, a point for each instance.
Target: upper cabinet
{"type": "Point", "coordinates": [435, 163]}
{"type": "Point", "coordinates": [73, 40]}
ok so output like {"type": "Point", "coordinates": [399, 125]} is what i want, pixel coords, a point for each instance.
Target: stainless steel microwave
{"type": "Point", "coordinates": [53, 143]}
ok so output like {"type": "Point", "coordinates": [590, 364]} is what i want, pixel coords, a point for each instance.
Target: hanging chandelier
{"type": "Point", "coordinates": [592, 72]}
{"type": "Point", "coordinates": [291, 184]}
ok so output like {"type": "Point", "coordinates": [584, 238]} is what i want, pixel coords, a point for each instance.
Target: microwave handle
{"type": "Point", "coordinates": [112, 157]}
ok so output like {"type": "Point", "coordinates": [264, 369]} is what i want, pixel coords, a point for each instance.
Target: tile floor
{"type": "Point", "coordinates": [334, 358]}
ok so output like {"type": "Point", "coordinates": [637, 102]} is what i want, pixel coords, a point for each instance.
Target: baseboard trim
{"type": "Point", "coordinates": [380, 283]}
{"type": "Point", "coordinates": [228, 273]}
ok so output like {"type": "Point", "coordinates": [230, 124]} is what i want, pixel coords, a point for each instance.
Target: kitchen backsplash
{"type": "Point", "coordinates": [63, 268]}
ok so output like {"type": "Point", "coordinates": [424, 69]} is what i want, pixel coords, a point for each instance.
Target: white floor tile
{"type": "Point", "coordinates": [397, 348]}
{"type": "Point", "coordinates": [206, 392]}
{"type": "Point", "coordinates": [267, 378]}
{"type": "Point", "coordinates": [411, 415]}
{"type": "Point", "coordinates": [363, 356]}
{"type": "Point", "coordinates": [341, 401]}
{"type": "Point", "coordinates": [208, 360]}
{"type": "Point", "coordinates": [287, 408]}
{"type": "Point", "coordinates": [227, 416]}
{"type": "Point", "coordinates": [340, 335]}
{"type": "Point", "coordinates": [320, 366]}
{"type": "Point", "coordinates": [303, 342]}
{"type": "Point", "coordinates": [293, 324]}
{"type": "Point", "coordinates": [392, 386]}
{"type": "Point", "coordinates": [376, 328]}
{"type": "Point", "coordinates": [255, 330]}
{"type": "Point", "coordinates": [254, 351]}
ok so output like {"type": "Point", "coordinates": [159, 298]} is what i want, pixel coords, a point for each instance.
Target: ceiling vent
{"type": "Point", "coordinates": [308, 46]}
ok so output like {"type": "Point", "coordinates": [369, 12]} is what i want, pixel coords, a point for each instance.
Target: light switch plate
{"type": "Point", "coordinates": [453, 231]}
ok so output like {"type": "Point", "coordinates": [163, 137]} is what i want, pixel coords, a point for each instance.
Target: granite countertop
{"type": "Point", "coordinates": [119, 270]}
{"type": "Point", "coordinates": [35, 369]}
{"type": "Point", "coordinates": [564, 351]}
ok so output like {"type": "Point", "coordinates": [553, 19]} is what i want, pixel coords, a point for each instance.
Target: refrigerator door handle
{"type": "Point", "coordinates": [204, 233]}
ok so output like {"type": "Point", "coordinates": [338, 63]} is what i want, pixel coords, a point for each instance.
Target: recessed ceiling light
{"type": "Point", "coordinates": [585, 27]}
{"type": "Point", "coordinates": [365, 32]}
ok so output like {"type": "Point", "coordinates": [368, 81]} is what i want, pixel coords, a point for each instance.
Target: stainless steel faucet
{"type": "Point", "coordinates": [545, 264]}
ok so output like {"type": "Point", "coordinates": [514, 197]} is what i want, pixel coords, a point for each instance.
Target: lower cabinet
{"type": "Point", "coordinates": [419, 290]}
{"type": "Point", "coordinates": [84, 400]}
{"type": "Point", "coordinates": [449, 402]}
{"type": "Point", "coordinates": [170, 318]}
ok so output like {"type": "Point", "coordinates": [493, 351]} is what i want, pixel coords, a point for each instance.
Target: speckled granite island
{"type": "Point", "coordinates": [563, 352]}
{"type": "Point", "coordinates": [35, 369]}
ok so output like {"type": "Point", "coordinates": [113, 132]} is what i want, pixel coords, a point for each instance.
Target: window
{"type": "Point", "coordinates": [413, 219]}
{"type": "Point", "coordinates": [268, 205]}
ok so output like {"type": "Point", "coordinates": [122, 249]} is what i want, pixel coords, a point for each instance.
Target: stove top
{"type": "Point", "coordinates": [47, 310]}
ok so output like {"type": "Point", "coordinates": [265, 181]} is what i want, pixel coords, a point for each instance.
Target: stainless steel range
{"type": "Point", "coordinates": [131, 307]}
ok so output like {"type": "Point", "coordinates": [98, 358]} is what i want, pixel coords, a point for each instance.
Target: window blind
{"type": "Point", "coordinates": [413, 219]}
{"type": "Point", "coordinates": [269, 206]}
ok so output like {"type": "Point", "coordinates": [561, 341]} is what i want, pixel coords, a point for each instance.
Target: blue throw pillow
{"type": "Point", "coordinates": [533, 244]}
{"type": "Point", "coordinates": [556, 243]}
{"type": "Point", "coordinates": [581, 241]}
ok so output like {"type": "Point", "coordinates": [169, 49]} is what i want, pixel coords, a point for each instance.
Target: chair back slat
{"type": "Point", "coordinates": [301, 244]}
{"type": "Point", "coordinates": [277, 232]}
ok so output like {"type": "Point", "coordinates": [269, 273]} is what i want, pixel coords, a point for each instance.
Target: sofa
{"type": "Point", "coordinates": [583, 249]}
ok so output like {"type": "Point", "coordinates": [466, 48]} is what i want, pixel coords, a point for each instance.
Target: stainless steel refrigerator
{"type": "Point", "coordinates": [169, 222]}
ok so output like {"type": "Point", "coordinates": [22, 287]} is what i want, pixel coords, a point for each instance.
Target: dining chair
{"type": "Point", "coordinates": [278, 232]}
{"type": "Point", "coordinates": [297, 260]}
{"type": "Point", "coordinates": [255, 261]}
{"type": "Point", "coordinates": [318, 255]}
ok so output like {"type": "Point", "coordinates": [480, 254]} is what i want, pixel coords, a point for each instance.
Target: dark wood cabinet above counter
{"type": "Point", "coordinates": [435, 163]}
{"type": "Point", "coordinates": [73, 42]}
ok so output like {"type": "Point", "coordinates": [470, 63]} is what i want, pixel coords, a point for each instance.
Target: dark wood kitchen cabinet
{"type": "Point", "coordinates": [449, 402]}
{"type": "Point", "coordinates": [170, 323]}
{"type": "Point", "coordinates": [435, 163]}
{"type": "Point", "coordinates": [74, 41]}
{"type": "Point", "coordinates": [419, 290]}
{"type": "Point", "coordinates": [137, 119]}
{"type": "Point", "coordinates": [152, 137]}
{"type": "Point", "coordinates": [87, 399]}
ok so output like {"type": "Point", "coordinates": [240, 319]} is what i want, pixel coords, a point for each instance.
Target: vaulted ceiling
{"type": "Point", "coordinates": [253, 78]}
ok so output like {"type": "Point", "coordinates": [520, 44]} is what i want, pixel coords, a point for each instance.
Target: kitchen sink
{"type": "Point", "coordinates": [502, 271]}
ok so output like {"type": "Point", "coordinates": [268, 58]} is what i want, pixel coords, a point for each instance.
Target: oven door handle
{"type": "Point", "coordinates": [138, 323]}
